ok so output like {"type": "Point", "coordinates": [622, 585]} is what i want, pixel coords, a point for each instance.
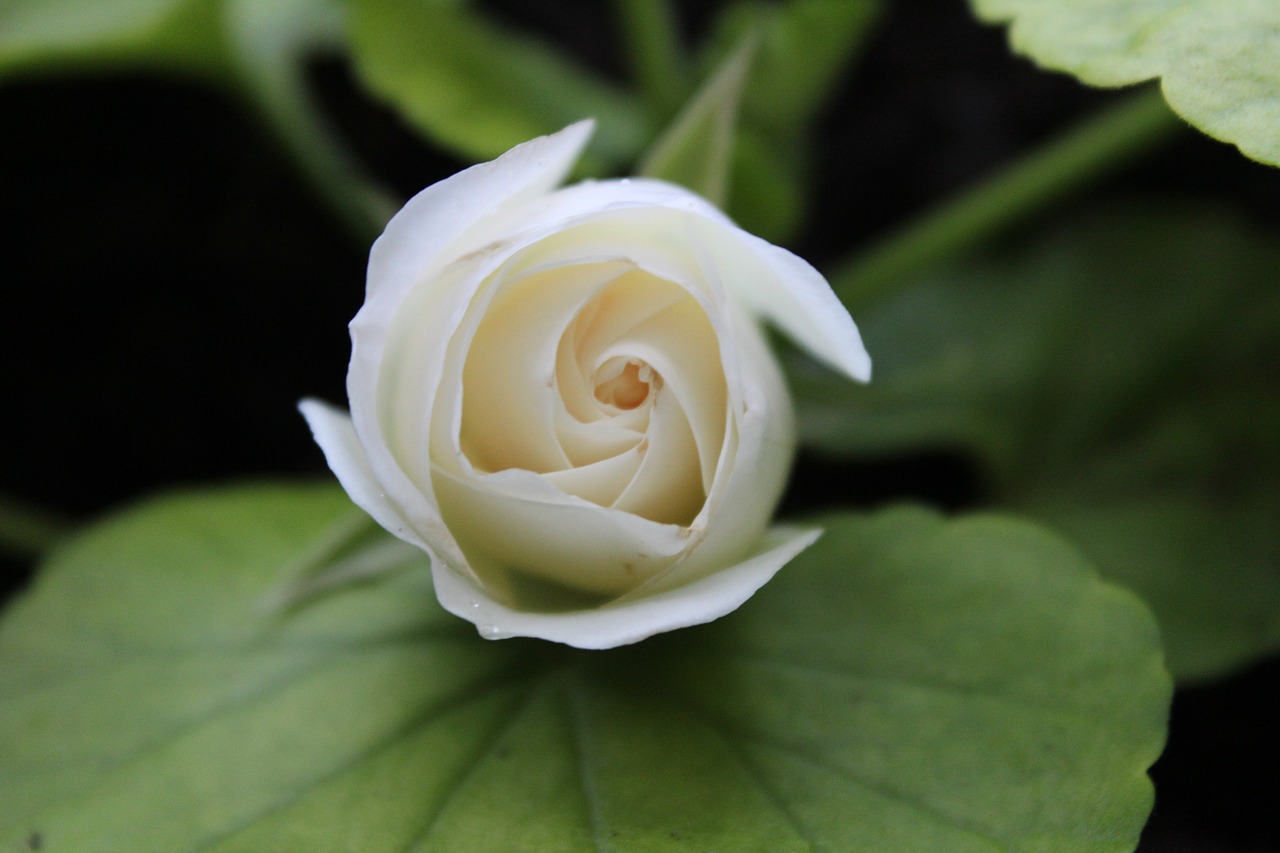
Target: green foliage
{"type": "Point", "coordinates": [1216, 59]}
{"type": "Point", "coordinates": [908, 683]}
{"type": "Point", "coordinates": [256, 51]}
{"type": "Point", "coordinates": [803, 48]}
{"type": "Point", "coordinates": [180, 34]}
{"type": "Point", "coordinates": [480, 89]}
{"type": "Point", "coordinates": [696, 151]}
{"type": "Point", "coordinates": [1107, 379]}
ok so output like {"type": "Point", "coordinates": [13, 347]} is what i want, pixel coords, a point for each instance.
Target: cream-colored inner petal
{"type": "Point", "coordinates": [624, 383]}
{"type": "Point", "coordinates": [604, 379]}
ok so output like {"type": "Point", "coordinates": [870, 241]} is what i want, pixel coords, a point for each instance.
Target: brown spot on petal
{"type": "Point", "coordinates": [495, 246]}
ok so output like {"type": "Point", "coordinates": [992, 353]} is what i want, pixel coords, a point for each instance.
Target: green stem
{"type": "Point", "coordinates": [362, 205]}
{"type": "Point", "coordinates": [653, 48]}
{"type": "Point", "coordinates": [26, 531]}
{"type": "Point", "coordinates": [1098, 147]}
{"type": "Point", "coordinates": [269, 43]}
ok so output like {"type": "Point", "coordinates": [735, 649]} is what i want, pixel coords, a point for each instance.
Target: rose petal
{"type": "Point", "coordinates": [601, 482]}
{"type": "Point", "coordinates": [757, 459]}
{"type": "Point", "coordinates": [518, 519]}
{"type": "Point", "coordinates": [509, 397]}
{"type": "Point", "coordinates": [413, 245]}
{"type": "Point", "coordinates": [772, 282]}
{"type": "Point", "coordinates": [391, 397]}
{"type": "Point", "coordinates": [333, 431]}
{"type": "Point", "coordinates": [681, 345]}
{"type": "Point", "coordinates": [668, 486]}
{"type": "Point", "coordinates": [632, 618]}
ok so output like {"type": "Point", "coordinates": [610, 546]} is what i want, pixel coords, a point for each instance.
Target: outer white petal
{"type": "Point", "coordinates": [772, 282]}
{"type": "Point", "coordinates": [333, 431]}
{"type": "Point", "coordinates": [434, 253]}
{"type": "Point", "coordinates": [516, 517]}
{"type": "Point", "coordinates": [415, 241]}
{"type": "Point", "coordinates": [628, 619]}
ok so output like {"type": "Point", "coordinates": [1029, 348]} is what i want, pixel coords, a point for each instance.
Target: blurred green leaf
{"type": "Point", "coordinates": [1216, 61]}
{"type": "Point", "coordinates": [696, 150]}
{"type": "Point", "coordinates": [480, 89]}
{"type": "Point", "coordinates": [257, 51]}
{"type": "Point", "coordinates": [908, 683]}
{"type": "Point", "coordinates": [803, 48]}
{"type": "Point", "coordinates": [45, 34]}
{"type": "Point", "coordinates": [270, 44]}
{"type": "Point", "coordinates": [651, 36]}
{"type": "Point", "coordinates": [1114, 378]}
{"type": "Point", "coordinates": [766, 193]}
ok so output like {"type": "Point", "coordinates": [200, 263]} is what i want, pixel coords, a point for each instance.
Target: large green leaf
{"type": "Point", "coordinates": [910, 683]}
{"type": "Point", "coordinates": [1216, 59]}
{"type": "Point", "coordinates": [481, 89]}
{"type": "Point", "coordinates": [49, 33]}
{"type": "Point", "coordinates": [1117, 380]}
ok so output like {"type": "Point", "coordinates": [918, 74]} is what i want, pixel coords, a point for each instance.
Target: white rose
{"type": "Point", "coordinates": [564, 397]}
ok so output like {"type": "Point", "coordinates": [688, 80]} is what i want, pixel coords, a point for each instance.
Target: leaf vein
{"type": "Point", "coordinates": [575, 709]}
{"type": "Point", "coordinates": [876, 787]}
{"type": "Point", "coordinates": [428, 714]}
{"type": "Point", "coordinates": [957, 690]}
{"type": "Point", "coordinates": [484, 749]}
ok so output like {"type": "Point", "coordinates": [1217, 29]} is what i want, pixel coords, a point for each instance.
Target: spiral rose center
{"type": "Point", "coordinates": [626, 388]}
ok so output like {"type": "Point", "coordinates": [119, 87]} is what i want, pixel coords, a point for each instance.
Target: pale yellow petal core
{"type": "Point", "coordinates": [570, 377]}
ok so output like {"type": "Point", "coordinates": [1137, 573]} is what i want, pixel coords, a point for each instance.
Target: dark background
{"type": "Point", "coordinates": [172, 287]}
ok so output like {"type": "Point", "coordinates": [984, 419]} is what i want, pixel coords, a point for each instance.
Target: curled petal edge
{"type": "Point", "coordinates": [771, 281]}
{"type": "Point", "coordinates": [334, 431]}
{"type": "Point", "coordinates": [628, 620]}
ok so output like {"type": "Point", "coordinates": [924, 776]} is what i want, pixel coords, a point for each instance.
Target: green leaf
{"type": "Point", "coordinates": [908, 683]}
{"type": "Point", "coordinates": [651, 35]}
{"type": "Point", "coordinates": [696, 150]}
{"type": "Point", "coordinates": [1215, 59]}
{"type": "Point", "coordinates": [1111, 379]}
{"type": "Point", "coordinates": [258, 51]}
{"type": "Point", "coordinates": [479, 89]}
{"type": "Point", "coordinates": [39, 34]}
{"type": "Point", "coordinates": [270, 44]}
{"type": "Point", "coordinates": [803, 48]}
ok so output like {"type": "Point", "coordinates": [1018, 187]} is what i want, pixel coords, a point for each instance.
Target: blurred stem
{"type": "Point", "coordinates": [653, 48]}
{"type": "Point", "coordinates": [1088, 152]}
{"type": "Point", "coordinates": [363, 206]}
{"type": "Point", "coordinates": [271, 42]}
{"type": "Point", "coordinates": [27, 531]}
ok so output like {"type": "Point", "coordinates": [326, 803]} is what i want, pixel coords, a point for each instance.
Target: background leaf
{"type": "Point", "coordinates": [1113, 379]}
{"type": "Point", "coordinates": [696, 150]}
{"type": "Point", "coordinates": [480, 90]}
{"type": "Point", "coordinates": [803, 49]}
{"type": "Point", "coordinates": [1216, 59]}
{"type": "Point", "coordinates": [255, 51]}
{"type": "Point", "coordinates": [40, 34]}
{"type": "Point", "coordinates": [908, 683]}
